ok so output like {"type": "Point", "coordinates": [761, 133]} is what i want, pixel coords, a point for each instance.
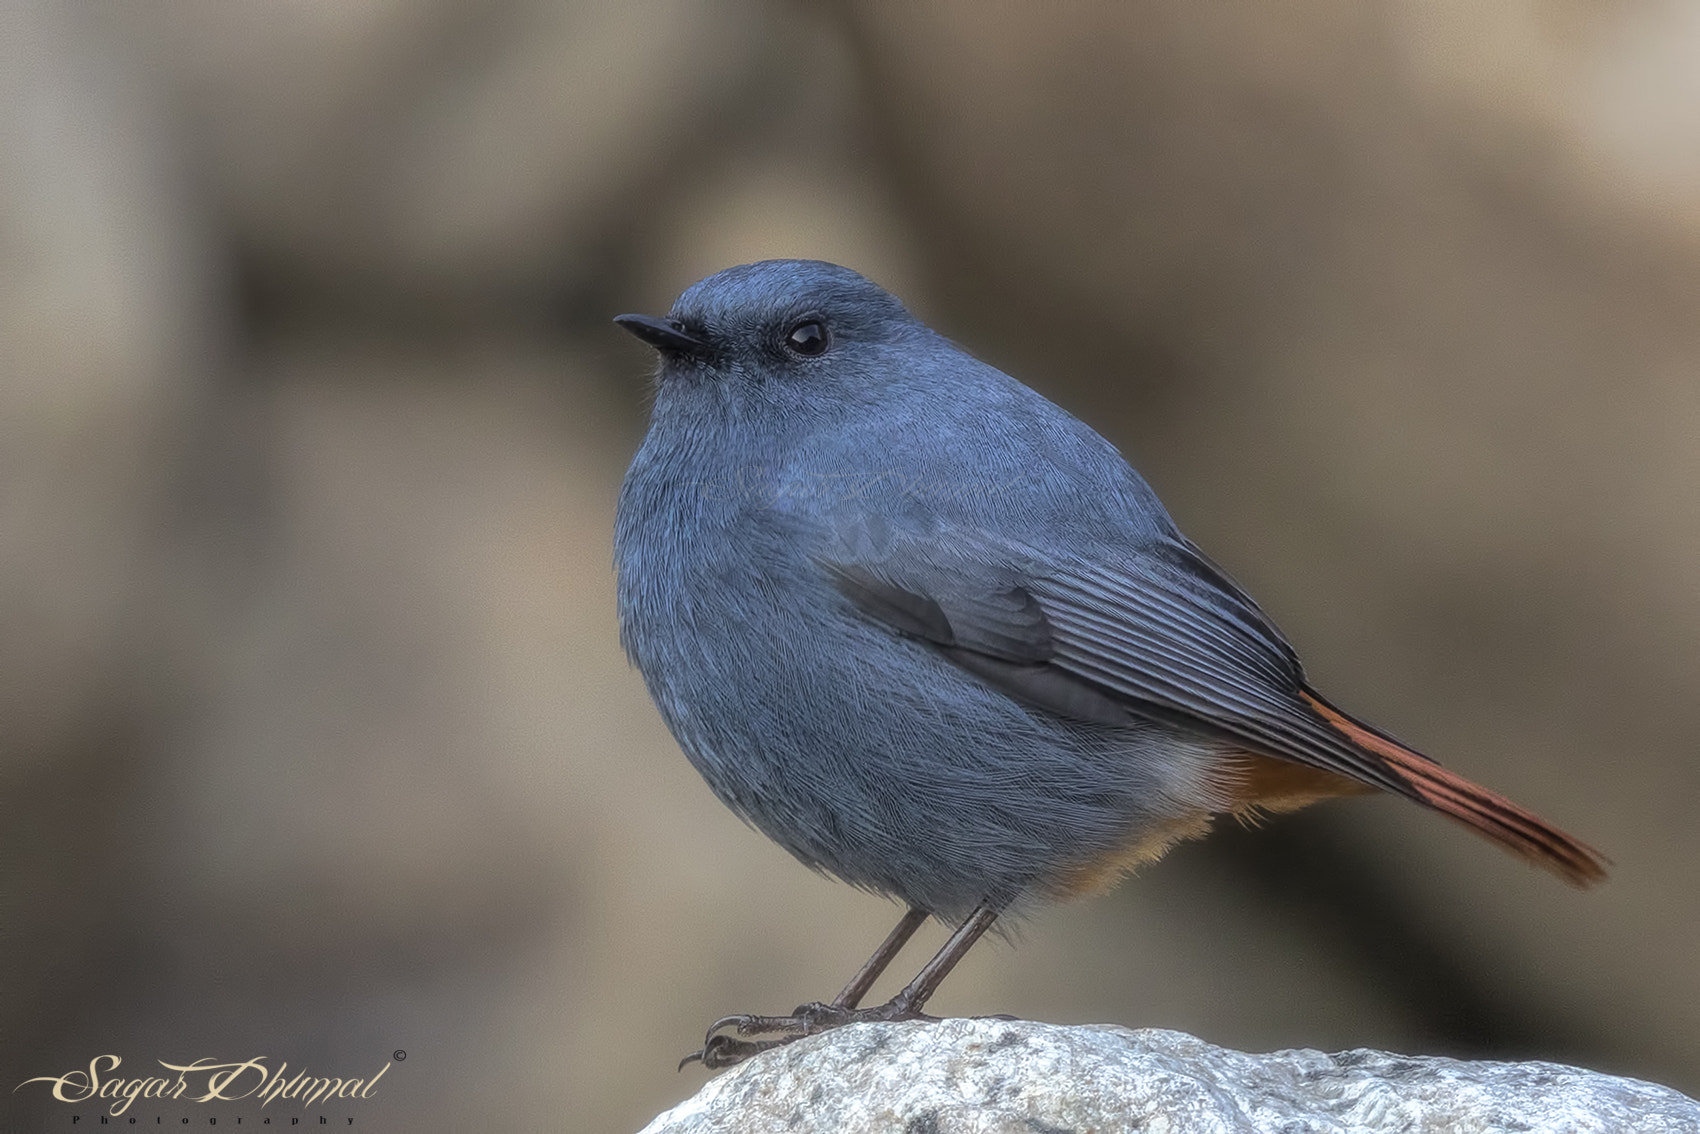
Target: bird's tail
{"type": "Point", "coordinates": [1488, 813]}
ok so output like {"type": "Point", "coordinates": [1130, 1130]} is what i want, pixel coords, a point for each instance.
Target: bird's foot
{"type": "Point", "coordinates": [722, 1048]}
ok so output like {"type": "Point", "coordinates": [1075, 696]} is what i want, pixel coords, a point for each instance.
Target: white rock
{"type": "Point", "coordinates": [993, 1076]}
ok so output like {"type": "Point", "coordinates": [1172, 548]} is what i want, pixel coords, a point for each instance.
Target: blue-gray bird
{"type": "Point", "coordinates": [934, 636]}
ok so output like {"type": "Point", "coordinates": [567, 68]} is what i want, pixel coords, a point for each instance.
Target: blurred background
{"type": "Point", "coordinates": [316, 738]}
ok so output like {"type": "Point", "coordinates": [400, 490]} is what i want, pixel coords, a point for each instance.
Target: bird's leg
{"type": "Point", "coordinates": [798, 1022]}
{"type": "Point", "coordinates": [723, 1050]}
{"type": "Point", "coordinates": [883, 956]}
{"type": "Point", "coordinates": [907, 1004]}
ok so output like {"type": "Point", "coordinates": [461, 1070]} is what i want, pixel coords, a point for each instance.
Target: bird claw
{"type": "Point", "coordinates": [722, 1051]}
{"type": "Point", "coordinates": [721, 1048]}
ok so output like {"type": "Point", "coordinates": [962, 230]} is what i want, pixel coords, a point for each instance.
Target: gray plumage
{"type": "Point", "coordinates": [922, 627]}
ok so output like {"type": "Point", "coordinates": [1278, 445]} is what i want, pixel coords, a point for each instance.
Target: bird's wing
{"type": "Point", "coordinates": [1159, 632]}
{"type": "Point", "coordinates": [1164, 633]}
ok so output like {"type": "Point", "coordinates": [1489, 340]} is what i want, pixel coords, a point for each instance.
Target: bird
{"type": "Point", "coordinates": [935, 636]}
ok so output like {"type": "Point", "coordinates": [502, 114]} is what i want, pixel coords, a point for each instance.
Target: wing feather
{"type": "Point", "coordinates": [1163, 633]}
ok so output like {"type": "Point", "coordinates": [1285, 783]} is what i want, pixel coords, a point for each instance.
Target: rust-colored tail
{"type": "Point", "coordinates": [1487, 813]}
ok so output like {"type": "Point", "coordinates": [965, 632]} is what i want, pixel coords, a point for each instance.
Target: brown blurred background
{"type": "Point", "coordinates": [317, 738]}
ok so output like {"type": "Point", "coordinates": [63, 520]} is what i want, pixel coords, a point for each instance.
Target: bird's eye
{"type": "Point", "coordinates": [807, 338]}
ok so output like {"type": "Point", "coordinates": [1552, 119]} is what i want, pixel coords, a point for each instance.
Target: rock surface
{"type": "Point", "coordinates": [992, 1076]}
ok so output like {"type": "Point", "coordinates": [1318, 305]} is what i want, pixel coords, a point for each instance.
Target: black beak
{"type": "Point", "coordinates": [665, 335]}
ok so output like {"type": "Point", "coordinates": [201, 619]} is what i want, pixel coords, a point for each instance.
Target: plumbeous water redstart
{"type": "Point", "coordinates": [934, 636]}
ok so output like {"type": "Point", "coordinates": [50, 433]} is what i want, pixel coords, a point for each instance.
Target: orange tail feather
{"type": "Point", "coordinates": [1486, 812]}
